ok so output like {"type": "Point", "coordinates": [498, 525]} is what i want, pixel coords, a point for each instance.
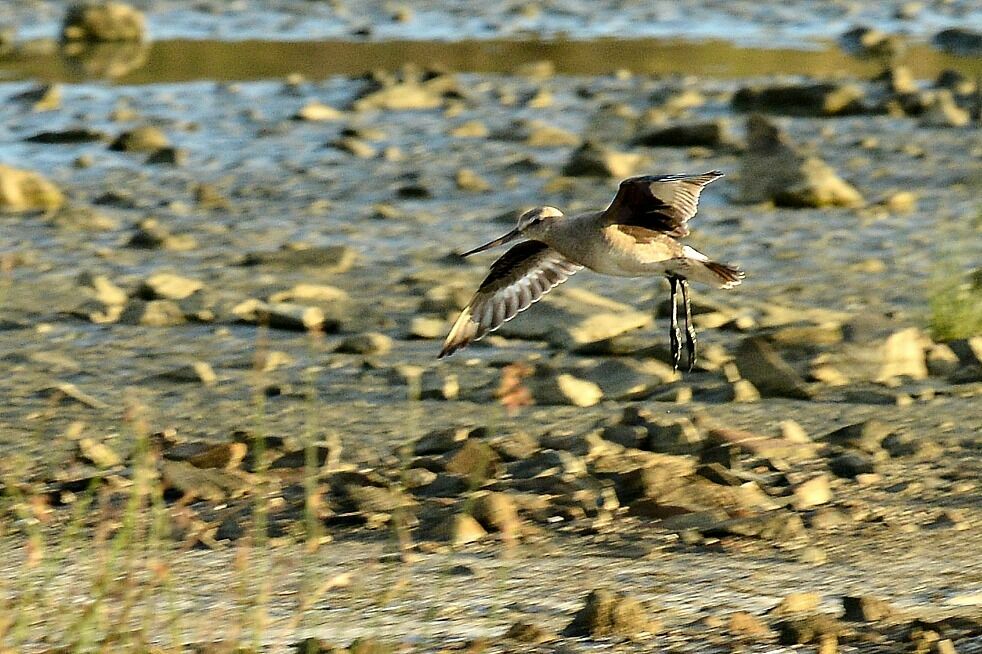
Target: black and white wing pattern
{"type": "Point", "coordinates": [662, 203]}
{"type": "Point", "coordinates": [519, 278]}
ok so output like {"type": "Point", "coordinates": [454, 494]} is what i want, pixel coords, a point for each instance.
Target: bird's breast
{"type": "Point", "coordinates": [613, 252]}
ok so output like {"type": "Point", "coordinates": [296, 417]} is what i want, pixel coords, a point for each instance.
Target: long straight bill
{"type": "Point", "coordinates": [510, 236]}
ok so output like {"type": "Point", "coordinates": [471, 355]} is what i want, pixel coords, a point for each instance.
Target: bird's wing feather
{"type": "Point", "coordinates": [517, 279]}
{"type": "Point", "coordinates": [663, 203]}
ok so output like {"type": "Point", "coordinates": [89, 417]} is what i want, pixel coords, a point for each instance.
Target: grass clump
{"type": "Point", "coordinates": [956, 306]}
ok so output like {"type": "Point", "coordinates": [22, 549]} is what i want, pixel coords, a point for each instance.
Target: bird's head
{"type": "Point", "coordinates": [531, 224]}
{"type": "Point", "coordinates": [534, 221]}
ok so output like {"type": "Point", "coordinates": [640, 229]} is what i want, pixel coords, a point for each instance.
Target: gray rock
{"type": "Point", "coordinates": [369, 343]}
{"type": "Point", "coordinates": [768, 372]}
{"type": "Point", "coordinates": [105, 21]}
{"type": "Point", "coordinates": [594, 160]}
{"type": "Point", "coordinates": [150, 234]}
{"type": "Point", "coordinates": [538, 134]}
{"type": "Point", "coordinates": [26, 190]}
{"type": "Point", "coordinates": [865, 608]}
{"type": "Point", "coordinates": [773, 170]}
{"type": "Point", "coordinates": [677, 436]}
{"type": "Point", "coordinates": [871, 43]}
{"type": "Point", "coordinates": [780, 526]}
{"type": "Point", "coordinates": [865, 436]}
{"type": "Point", "coordinates": [441, 441]}
{"type": "Point", "coordinates": [548, 462]}
{"type": "Point", "coordinates": [960, 40]}
{"type": "Point", "coordinates": [623, 379]}
{"type": "Point", "coordinates": [823, 99]}
{"type": "Point", "coordinates": [851, 464]}
{"type": "Point", "coordinates": [70, 136]}
{"type": "Point", "coordinates": [168, 156]}
{"type": "Point", "coordinates": [283, 315]}
{"type": "Point", "coordinates": [710, 134]}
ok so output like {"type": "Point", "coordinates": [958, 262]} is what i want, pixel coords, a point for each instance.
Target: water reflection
{"type": "Point", "coordinates": [186, 60]}
{"type": "Point", "coordinates": [104, 60]}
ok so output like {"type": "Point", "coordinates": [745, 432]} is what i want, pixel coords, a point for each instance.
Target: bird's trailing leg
{"type": "Point", "coordinates": [690, 331]}
{"type": "Point", "coordinates": [674, 333]}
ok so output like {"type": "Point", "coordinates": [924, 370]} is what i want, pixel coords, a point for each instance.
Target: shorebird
{"type": "Point", "coordinates": [636, 236]}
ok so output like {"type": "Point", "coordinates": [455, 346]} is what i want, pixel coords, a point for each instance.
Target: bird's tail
{"type": "Point", "coordinates": [724, 275]}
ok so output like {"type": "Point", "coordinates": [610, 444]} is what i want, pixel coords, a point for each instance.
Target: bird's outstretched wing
{"type": "Point", "coordinates": [662, 203]}
{"type": "Point", "coordinates": [517, 279]}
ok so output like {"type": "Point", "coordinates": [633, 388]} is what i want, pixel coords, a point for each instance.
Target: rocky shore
{"type": "Point", "coordinates": [249, 282]}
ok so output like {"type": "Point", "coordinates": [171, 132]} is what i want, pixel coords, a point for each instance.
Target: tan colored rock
{"type": "Point", "coordinates": [25, 190]}
{"type": "Point", "coordinates": [497, 512]}
{"type": "Point", "coordinates": [461, 529]}
{"type": "Point", "coordinates": [318, 112]}
{"type": "Point", "coordinates": [904, 354]}
{"type": "Point", "coordinates": [564, 389]}
{"type": "Point", "coordinates": [812, 492]}
{"type": "Point", "coordinates": [608, 614]}
{"type": "Point", "coordinates": [106, 21]}
{"type": "Point", "coordinates": [800, 602]}
{"type": "Point", "coordinates": [310, 293]}
{"type": "Point", "coordinates": [774, 170]}
{"type": "Point", "coordinates": [399, 97]}
{"type": "Point", "coordinates": [746, 625]}
{"type": "Point", "coordinates": [168, 286]}
{"type": "Point", "coordinates": [141, 139]}
{"type": "Point", "coordinates": [105, 290]}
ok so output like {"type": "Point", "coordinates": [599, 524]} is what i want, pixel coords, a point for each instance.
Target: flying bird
{"type": "Point", "coordinates": [638, 235]}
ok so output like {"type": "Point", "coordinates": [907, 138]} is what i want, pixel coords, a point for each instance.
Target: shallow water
{"type": "Point", "coordinates": [749, 22]}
